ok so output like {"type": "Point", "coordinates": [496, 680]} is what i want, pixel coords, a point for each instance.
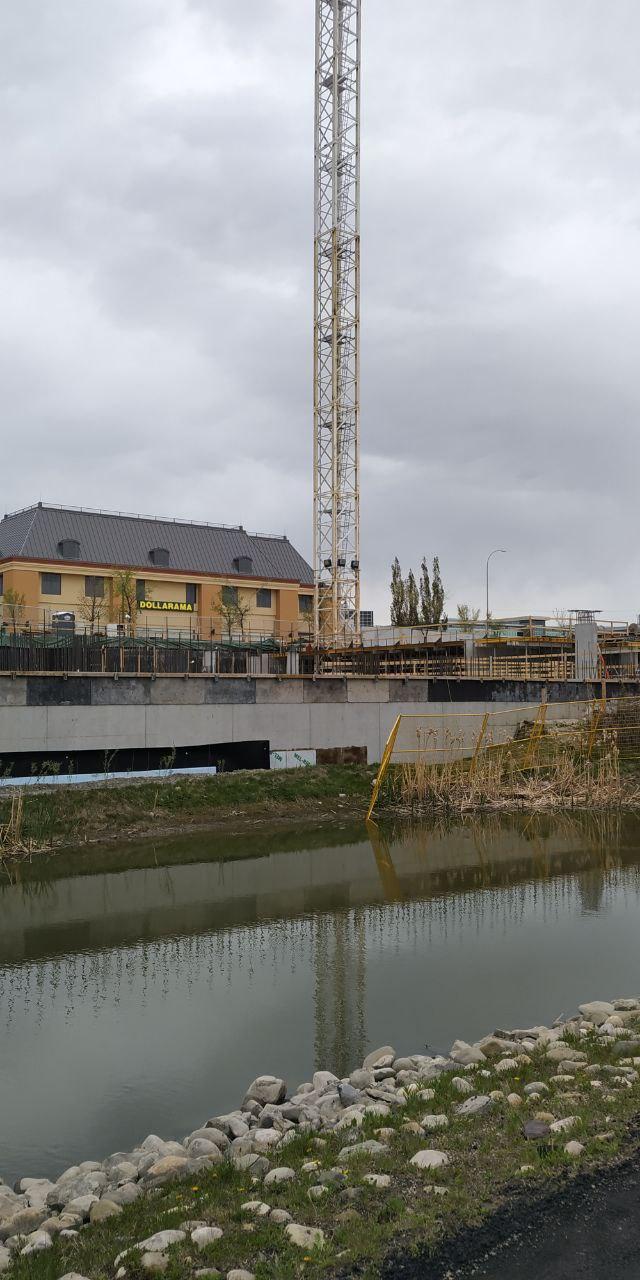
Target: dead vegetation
{"type": "Point", "coordinates": [568, 767]}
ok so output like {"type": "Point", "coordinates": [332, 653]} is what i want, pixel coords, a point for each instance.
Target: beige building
{"type": "Point", "coordinates": [107, 568]}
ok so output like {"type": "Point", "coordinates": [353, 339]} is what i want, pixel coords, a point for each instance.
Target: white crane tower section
{"type": "Point", "coordinates": [336, 489]}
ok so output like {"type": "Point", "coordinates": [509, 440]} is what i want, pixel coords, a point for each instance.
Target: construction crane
{"type": "Point", "coordinates": [336, 488]}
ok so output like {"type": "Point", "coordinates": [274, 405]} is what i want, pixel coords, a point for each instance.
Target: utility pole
{"type": "Point", "coordinates": [336, 407]}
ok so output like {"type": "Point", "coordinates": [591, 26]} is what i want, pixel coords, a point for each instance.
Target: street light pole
{"type": "Point", "coordinates": [498, 551]}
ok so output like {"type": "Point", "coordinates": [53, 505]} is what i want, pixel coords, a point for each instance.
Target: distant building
{"type": "Point", "coordinates": [366, 617]}
{"type": "Point", "coordinates": [58, 558]}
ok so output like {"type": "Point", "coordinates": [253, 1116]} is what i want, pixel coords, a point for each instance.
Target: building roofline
{"type": "Point", "coordinates": [161, 572]}
{"type": "Point", "coordinates": [136, 515]}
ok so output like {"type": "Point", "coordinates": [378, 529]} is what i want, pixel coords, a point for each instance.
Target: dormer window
{"type": "Point", "coordinates": [159, 556]}
{"type": "Point", "coordinates": [243, 564]}
{"type": "Point", "coordinates": [69, 549]}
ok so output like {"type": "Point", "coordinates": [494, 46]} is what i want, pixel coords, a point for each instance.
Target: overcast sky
{"type": "Point", "coordinates": [156, 278]}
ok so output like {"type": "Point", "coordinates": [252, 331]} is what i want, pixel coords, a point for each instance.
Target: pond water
{"type": "Point", "coordinates": [142, 988]}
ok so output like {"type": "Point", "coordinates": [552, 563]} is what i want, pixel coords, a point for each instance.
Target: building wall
{"type": "Point", "coordinates": [99, 713]}
{"type": "Point", "coordinates": [281, 617]}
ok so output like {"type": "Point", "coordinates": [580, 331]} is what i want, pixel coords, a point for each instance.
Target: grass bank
{"type": "Point", "coordinates": [400, 1210]}
{"type": "Point", "coordinates": [58, 817]}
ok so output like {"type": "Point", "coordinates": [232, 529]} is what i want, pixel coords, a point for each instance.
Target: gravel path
{"type": "Point", "coordinates": [590, 1230]}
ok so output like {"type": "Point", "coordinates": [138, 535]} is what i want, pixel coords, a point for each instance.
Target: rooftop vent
{"type": "Point", "coordinates": [159, 556]}
{"type": "Point", "coordinates": [243, 564]}
{"type": "Point", "coordinates": [69, 549]}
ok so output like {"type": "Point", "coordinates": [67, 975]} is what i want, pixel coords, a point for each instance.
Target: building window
{"type": "Point", "coordinates": [51, 584]}
{"type": "Point", "coordinates": [69, 549]}
{"type": "Point", "coordinates": [191, 596]}
{"type": "Point", "coordinates": [141, 589]}
{"type": "Point", "coordinates": [159, 556]}
{"type": "Point", "coordinates": [305, 604]}
{"type": "Point", "coordinates": [243, 564]}
{"type": "Point", "coordinates": [93, 586]}
{"type": "Point", "coordinates": [1, 584]}
{"type": "Point", "coordinates": [229, 595]}
{"type": "Point", "coordinates": [263, 598]}
{"type": "Point", "coordinates": [366, 617]}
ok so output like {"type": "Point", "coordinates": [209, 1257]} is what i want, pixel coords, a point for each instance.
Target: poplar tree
{"type": "Point", "coordinates": [425, 592]}
{"type": "Point", "coordinates": [437, 594]}
{"type": "Point", "coordinates": [412, 597]}
{"type": "Point", "coordinates": [398, 608]}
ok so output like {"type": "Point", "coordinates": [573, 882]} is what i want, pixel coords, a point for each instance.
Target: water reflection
{"type": "Point", "coordinates": [154, 983]}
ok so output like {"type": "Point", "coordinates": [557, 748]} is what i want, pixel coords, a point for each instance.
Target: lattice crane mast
{"type": "Point", "coordinates": [336, 494]}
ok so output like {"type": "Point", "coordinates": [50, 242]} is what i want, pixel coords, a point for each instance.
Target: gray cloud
{"type": "Point", "coordinates": [155, 250]}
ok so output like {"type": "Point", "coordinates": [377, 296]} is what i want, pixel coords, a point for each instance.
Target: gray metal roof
{"type": "Point", "coordinates": [112, 538]}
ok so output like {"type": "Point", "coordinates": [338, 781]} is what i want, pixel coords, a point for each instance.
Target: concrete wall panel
{"type": "Point", "coordinates": [405, 690]}
{"type": "Point", "coordinates": [354, 725]}
{"type": "Point", "coordinates": [55, 691]}
{"type": "Point", "coordinates": [281, 726]}
{"type": "Point", "coordinates": [325, 690]}
{"type": "Point", "coordinates": [128, 692]}
{"type": "Point", "coordinates": [23, 729]}
{"type": "Point", "coordinates": [13, 693]}
{"type": "Point", "coordinates": [187, 726]}
{"type": "Point", "coordinates": [274, 692]}
{"type": "Point", "coordinates": [94, 728]}
{"type": "Point", "coordinates": [176, 691]}
{"type": "Point", "coordinates": [368, 691]}
{"type": "Point", "coordinates": [237, 692]}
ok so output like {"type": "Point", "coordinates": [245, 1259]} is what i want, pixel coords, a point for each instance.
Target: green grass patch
{"type": "Point", "coordinates": [362, 1224]}
{"type": "Point", "coordinates": [72, 815]}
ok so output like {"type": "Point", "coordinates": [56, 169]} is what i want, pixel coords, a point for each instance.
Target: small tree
{"type": "Point", "coordinates": [467, 615]}
{"type": "Point", "coordinates": [233, 609]}
{"type": "Point", "coordinates": [91, 607]}
{"type": "Point", "coordinates": [398, 599]}
{"type": "Point", "coordinates": [14, 603]}
{"type": "Point", "coordinates": [125, 590]}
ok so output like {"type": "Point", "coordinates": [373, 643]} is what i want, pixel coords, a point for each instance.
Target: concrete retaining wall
{"type": "Point", "coordinates": [45, 713]}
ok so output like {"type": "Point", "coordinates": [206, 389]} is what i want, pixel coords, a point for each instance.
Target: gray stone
{"type": "Point", "coordinates": [596, 1011]}
{"type": "Point", "coordinates": [574, 1149]}
{"type": "Point", "coordinates": [536, 1086]}
{"type": "Point", "coordinates": [536, 1129]}
{"type": "Point", "coordinates": [37, 1242]}
{"type": "Point", "coordinates": [461, 1085]}
{"type": "Point", "coordinates": [348, 1095]}
{"type": "Point", "coordinates": [126, 1194]}
{"type": "Point", "coordinates": [201, 1147]}
{"type": "Point", "coordinates": [626, 1049]}
{"type": "Point", "coordinates": [563, 1126]}
{"type": "Point", "coordinates": [252, 1163]}
{"type": "Point", "coordinates": [362, 1079]}
{"type": "Point", "coordinates": [22, 1223]}
{"type": "Point", "coordinates": [239, 1274]}
{"type": "Point", "coordinates": [161, 1240]}
{"type": "Point", "coordinates": [378, 1180]}
{"type": "Point", "coordinates": [318, 1191]}
{"type": "Point", "coordinates": [370, 1148]}
{"type": "Point", "coordinates": [565, 1053]}
{"type": "Point", "coordinates": [280, 1217]}
{"type": "Point", "coordinates": [465, 1054]}
{"type": "Point", "coordinates": [202, 1237]}
{"type": "Point", "coordinates": [626, 1005]}
{"type": "Point", "coordinates": [434, 1122]}
{"type": "Point", "coordinates": [72, 1275]}
{"type": "Point", "coordinates": [168, 1167]}
{"type": "Point", "coordinates": [211, 1134]}
{"type": "Point", "coordinates": [428, 1159]}
{"type": "Point", "coordinates": [267, 1089]}
{"type": "Point", "coordinates": [103, 1209]}
{"type": "Point", "coordinates": [232, 1124]}
{"type": "Point", "coordinates": [283, 1174]}
{"type": "Point", "coordinates": [383, 1057]}
{"type": "Point", "coordinates": [154, 1262]}
{"type": "Point", "coordinates": [495, 1047]}
{"type": "Point", "coordinates": [474, 1106]}
{"type": "Point", "coordinates": [305, 1237]}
